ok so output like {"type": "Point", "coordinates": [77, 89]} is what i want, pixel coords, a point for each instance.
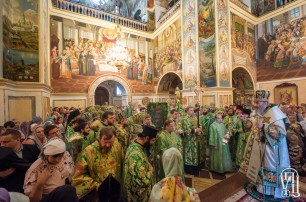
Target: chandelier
{"type": "Point", "coordinates": [118, 53]}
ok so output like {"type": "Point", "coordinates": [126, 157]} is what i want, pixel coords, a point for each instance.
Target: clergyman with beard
{"type": "Point", "coordinates": [138, 172]}
{"type": "Point", "coordinates": [96, 162]}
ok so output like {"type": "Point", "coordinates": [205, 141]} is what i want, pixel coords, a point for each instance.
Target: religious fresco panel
{"type": "Point", "coordinates": [207, 43]}
{"type": "Point", "coordinates": [223, 43]}
{"type": "Point", "coordinates": [282, 47]}
{"type": "Point", "coordinates": [190, 63]}
{"type": "Point", "coordinates": [82, 52]}
{"type": "Point", "coordinates": [242, 44]}
{"type": "Point", "coordinates": [168, 51]}
{"type": "Point", "coordinates": [20, 40]}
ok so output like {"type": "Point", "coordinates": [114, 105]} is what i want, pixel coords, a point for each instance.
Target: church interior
{"type": "Point", "coordinates": [80, 53]}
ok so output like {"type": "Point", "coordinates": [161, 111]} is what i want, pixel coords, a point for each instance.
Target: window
{"type": "Point", "coordinates": [118, 91]}
{"type": "Point", "coordinates": [294, 13]}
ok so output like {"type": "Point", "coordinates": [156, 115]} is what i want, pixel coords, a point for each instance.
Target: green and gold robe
{"type": "Point", "coordinates": [205, 121]}
{"type": "Point", "coordinates": [164, 141]}
{"type": "Point", "coordinates": [138, 179]}
{"type": "Point", "coordinates": [220, 157]}
{"type": "Point", "coordinates": [123, 136]}
{"type": "Point", "coordinates": [190, 141]}
{"type": "Point", "coordinates": [93, 166]}
{"type": "Point", "coordinates": [242, 142]}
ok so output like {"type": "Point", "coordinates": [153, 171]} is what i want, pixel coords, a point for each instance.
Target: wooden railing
{"type": "Point", "coordinates": [92, 12]}
{"type": "Point", "coordinates": [169, 13]}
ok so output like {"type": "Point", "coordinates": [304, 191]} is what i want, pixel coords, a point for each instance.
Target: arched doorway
{"type": "Point", "coordinates": [169, 82]}
{"type": "Point", "coordinates": [101, 96]}
{"type": "Point", "coordinates": [244, 86]}
{"type": "Point", "coordinates": [119, 92]}
{"type": "Point", "coordinates": [111, 92]}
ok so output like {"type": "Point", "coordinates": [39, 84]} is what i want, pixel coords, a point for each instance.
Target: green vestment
{"type": "Point", "coordinates": [93, 166]}
{"type": "Point", "coordinates": [190, 141]}
{"type": "Point", "coordinates": [137, 176]}
{"type": "Point", "coordinates": [220, 157]}
{"type": "Point", "coordinates": [164, 141]}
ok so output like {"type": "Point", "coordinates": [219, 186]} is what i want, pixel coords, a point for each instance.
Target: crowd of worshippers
{"type": "Point", "coordinates": [105, 153]}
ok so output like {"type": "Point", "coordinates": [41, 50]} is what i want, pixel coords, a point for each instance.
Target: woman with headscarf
{"type": "Point", "coordinates": [45, 180]}
{"type": "Point", "coordinates": [37, 137]}
{"type": "Point", "coordinates": [172, 188]}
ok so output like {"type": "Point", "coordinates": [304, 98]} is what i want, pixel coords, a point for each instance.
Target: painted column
{"type": "Point", "coordinates": [60, 35]}
{"type": "Point", "coordinates": [76, 36]}
{"type": "Point", "coordinates": [190, 54]}
{"type": "Point", "coordinates": [223, 44]}
{"type": "Point", "coordinates": [207, 41]}
{"type": "Point", "coordinates": [256, 44]}
{"type": "Point", "coordinates": [147, 52]}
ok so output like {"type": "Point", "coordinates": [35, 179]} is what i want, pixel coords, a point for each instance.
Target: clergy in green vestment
{"type": "Point", "coordinates": [96, 162]}
{"type": "Point", "coordinates": [191, 141]}
{"type": "Point", "coordinates": [206, 119]}
{"type": "Point", "coordinates": [121, 132]}
{"type": "Point", "coordinates": [242, 141]}
{"type": "Point", "coordinates": [138, 172]}
{"type": "Point", "coordinates": [220, 157]}
{"type": "Point", "coordinates": [165, 140]}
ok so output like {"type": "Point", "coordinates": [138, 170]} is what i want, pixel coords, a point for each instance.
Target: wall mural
{"type": "Point", "coordinates": [207, 59]}
{"type": "Point", "coordinates": [83, 52]}
{"type": "Point", "coordinates": [223, 43]}
{"type": "Point", "coordinates": [20, 40]}
{"type": "Point", "coordinates": [282, 48]}
{"type": "Point", "coordinates": [168, 51]}
{"type": "Point", "coordinates": [243, 44]}
{"type": "Point", "coordinates": [190, 64]}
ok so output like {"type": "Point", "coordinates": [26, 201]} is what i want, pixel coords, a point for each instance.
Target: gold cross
{"type": "Point", "coordinates": [266, 119]}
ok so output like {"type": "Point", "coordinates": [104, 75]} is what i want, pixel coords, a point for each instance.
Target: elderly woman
{"type": "Point", "coordinates": [37, 137]}
{"type": "Point", "coordinates": [172, 188]}
{"type": "Point", "coordinates": [45, 180]}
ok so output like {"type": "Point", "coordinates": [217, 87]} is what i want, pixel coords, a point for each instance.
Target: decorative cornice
{"type": "Point", "coordinates": [6, 83]}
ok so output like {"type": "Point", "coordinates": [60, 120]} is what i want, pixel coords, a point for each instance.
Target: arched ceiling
{"type": "Point", "coordinates": [169, 82]}
{"type": "Point", "coordinates": [242, 79]}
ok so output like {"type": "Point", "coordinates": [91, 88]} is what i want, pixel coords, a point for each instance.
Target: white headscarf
{"type": "Point", "coordinates": [54, 146]}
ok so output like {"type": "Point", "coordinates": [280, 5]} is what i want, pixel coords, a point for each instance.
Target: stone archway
{"type": "Point", "coordinates": [93, 86]}
{"type": "Point", "coordinates": [101, 95]}
{"type": "Point", "coordinates": [169, 82]}
{"type": "Point", "coordinates": [243, 83]}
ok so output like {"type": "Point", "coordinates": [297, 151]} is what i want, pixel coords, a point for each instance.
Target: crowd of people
{"type": "Point", "coordinates": [107, 153]}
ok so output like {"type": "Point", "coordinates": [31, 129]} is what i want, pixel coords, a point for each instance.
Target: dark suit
{"type": "Point", "coordinates": [8, 159]}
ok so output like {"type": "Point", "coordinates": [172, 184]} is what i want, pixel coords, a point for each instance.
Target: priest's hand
{"type": "Point", "coordinates": [43, 176]}
{"type": "Point", "coordinates": [6, 172]}
{"type": "Point", "coordinates": [198, 131]}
